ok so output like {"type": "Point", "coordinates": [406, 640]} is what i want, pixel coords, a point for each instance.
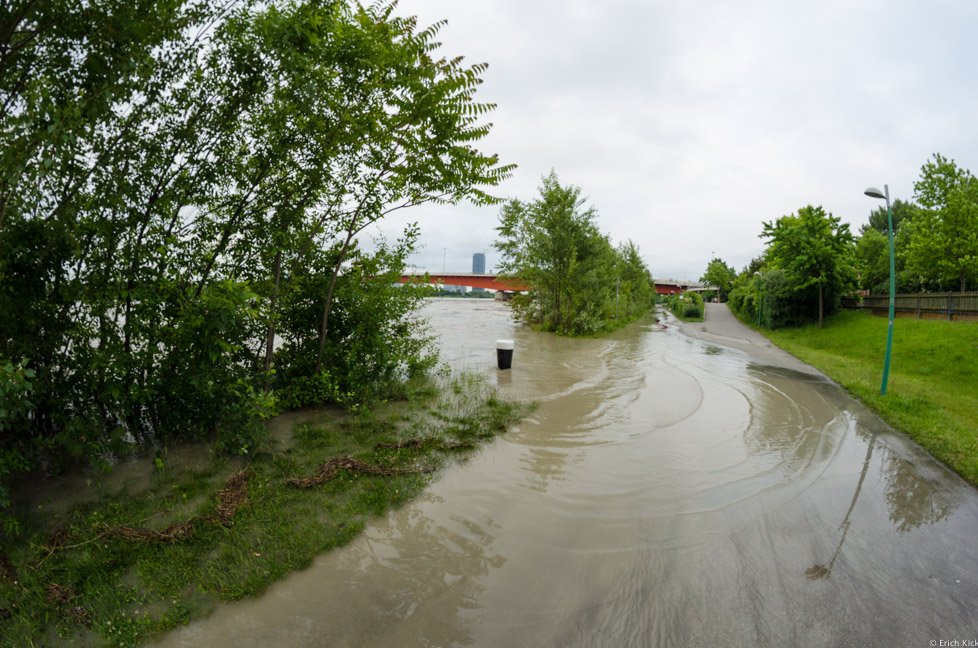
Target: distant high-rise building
{"type": "Point", "coordinates": [478, 263]}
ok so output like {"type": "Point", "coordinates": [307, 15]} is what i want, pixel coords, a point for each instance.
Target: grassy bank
{"type": "Point", "coordinates": [932, 390]}
{"type": "Point", "coordinates": [131, 565]}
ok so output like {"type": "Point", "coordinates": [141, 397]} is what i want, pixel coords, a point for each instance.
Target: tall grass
{"type": "Point", "coordinates": [932, 390]}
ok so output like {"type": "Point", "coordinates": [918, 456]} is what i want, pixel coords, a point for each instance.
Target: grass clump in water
{"type": "Point", "coordinates": [114, 573]}
{"type": "Point", "coordinates": [932, 389]}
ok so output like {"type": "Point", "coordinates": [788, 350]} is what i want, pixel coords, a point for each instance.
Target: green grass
{"type": "Point", "coordinates": [90, 587]}
{"type": "Point", "coordinates": [932, 389]}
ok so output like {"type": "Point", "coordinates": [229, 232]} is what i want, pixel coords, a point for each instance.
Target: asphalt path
{"type": "Point", "coordinates": [720, 326]}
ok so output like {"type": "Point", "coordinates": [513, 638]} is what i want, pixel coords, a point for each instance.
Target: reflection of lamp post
{"type": "Point", "coordinates": [876, 193]}
{"type": "Point", "coordinates": [823, 571]}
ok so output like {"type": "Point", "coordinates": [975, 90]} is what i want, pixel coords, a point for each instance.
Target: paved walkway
{"type": "Point", "coordinates": [719, 326]}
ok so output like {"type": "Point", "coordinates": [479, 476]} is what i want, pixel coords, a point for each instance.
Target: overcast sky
{"type": "Point", "coordinates": [687, 124]}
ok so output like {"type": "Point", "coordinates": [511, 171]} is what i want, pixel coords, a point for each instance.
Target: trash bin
{"type": "Point", "coordinates": [504, 353]}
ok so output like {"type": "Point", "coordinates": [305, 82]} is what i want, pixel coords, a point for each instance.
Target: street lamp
{"type": "Point", "coordinates": [885, 194]}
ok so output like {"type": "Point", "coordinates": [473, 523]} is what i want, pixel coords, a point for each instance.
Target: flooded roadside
{"type": "Point", "coordinates": [666, 491]}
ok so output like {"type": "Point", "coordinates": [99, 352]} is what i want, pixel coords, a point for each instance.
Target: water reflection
{"type": "Point", "coordinates": [912, 499]}
{"type": "Point", "coordinates": [824, 571]}
{"type": "Point", "coordinates": [790, 421]}
{"type": "Point", "coordinates": [543, 467]}
{"type": "Point", "coordinates": [665, 492]}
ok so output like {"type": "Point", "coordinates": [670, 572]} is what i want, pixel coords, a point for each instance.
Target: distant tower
{"type": "Point", "coordinates": [478, 263]}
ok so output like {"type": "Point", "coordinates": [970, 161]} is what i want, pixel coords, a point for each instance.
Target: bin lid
{"type": "Point", "coordinates": [505, 345]}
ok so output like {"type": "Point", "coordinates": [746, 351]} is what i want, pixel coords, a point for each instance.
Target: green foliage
{"type": "Point", "coordinates": [688, 306]}
{"type": "Point", "coordinates": [372, 342]}
{"type": "Point", "coordinates": [16, 388]}
{"type": "Point", "coordinates": [903, 214]}
{"type": "Point", "coordinates": [873, 261]}
{"type": "Point", "coordinates": [181, 184]}
{"type": "Point", "coordinates": [815, 250]}
{"type": "Point", "coordinates": [581, 284]}
{"type": "Point", "coordinates": [720, 276]}
{"type": "Point", "coordinates": [305, 391]}
{"type": "Point", "coordinates": [772, 295]}
{"type": "Point", "coordinates": [943, 245]}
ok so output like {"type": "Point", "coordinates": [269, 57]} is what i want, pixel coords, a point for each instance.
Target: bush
{"type": "Point", "coordinates": [691, 304]}
{"type": "Point", "coordinates": [15, 387]}
{"type": "Point", "coordinates": [779, 303]}
{"type": "Point", "coordinates": [743, 302]}
{"type": "Point", "coordinates": [372, 341]}
{"type": "Point", "coordinates": [693, 307]}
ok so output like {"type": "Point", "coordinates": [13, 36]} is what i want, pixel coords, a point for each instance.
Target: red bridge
{"type": "Point", "coordinates": [492, 282]}
{"type": "Point", "coordinates": [487, 281]}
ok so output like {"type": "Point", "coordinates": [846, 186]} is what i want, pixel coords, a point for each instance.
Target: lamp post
{"type": "Point", "coordinates": [885, 194]}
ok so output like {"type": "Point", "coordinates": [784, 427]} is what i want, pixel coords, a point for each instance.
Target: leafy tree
{"type": "Point", "coordinates": [553, 244]}
{"type": "Point", "coordinates": [903, 214]}
{"type": "Point", "coordinates": [944, 241]}
{"type": "Point", "coordinates": [181, 182]}
{"type": "Point", "coordinates": [721, 276]}
{"type": "Point", "coordinates": [873, 260]}
{"type": "Point", "coordinates": [815, 250]}
{"type": "Point", "coordinates": [636, 288]}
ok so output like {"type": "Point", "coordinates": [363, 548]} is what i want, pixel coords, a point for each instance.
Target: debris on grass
{"type": "Point", "coordinates": [418, 443]}
{"type": "Point", "coordinates": [328, 470]}
{"type": "Point", "coordinates": [229, 499]}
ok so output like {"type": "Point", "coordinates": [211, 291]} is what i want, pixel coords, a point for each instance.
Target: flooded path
{"type": "Point", "coordinates": [668, 491]}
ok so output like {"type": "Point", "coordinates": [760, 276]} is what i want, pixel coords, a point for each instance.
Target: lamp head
{"type": "Point", "coordinates": [873, 192]}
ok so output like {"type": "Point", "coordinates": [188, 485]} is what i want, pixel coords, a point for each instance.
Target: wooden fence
{"type": "Point", "coordinates": [949, 306]}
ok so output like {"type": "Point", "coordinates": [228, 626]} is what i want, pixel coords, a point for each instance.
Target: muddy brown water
{"type": "Point", "coordinates": [666, 492]}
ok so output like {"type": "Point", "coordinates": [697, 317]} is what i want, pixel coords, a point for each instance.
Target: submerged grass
{"type": "Point", "coordinates": [932, 389]}
{"type": "Point", "coordinates": [78, 580]}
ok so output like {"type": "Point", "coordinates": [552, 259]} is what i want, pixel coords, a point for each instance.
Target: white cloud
{"type": "Point", "coordinates": [689, 124]}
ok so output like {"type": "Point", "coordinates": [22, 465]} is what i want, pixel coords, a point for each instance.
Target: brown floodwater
{"type": "Point", "coordinates": [666, 492]}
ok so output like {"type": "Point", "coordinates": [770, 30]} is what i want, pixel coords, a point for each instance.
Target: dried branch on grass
{"type": "Point", "coordinates": [61, 595]}
{"type": "Point", "coordinates": [418, 443]}
{"type": "Point", "coordinates": [229, 499]}
{"type": "Point", "coordinates": [169, 534]}
{"type": "Point", "coordinates": [232, 497]}
{"type": "Point", "coordinates": [328, 470]}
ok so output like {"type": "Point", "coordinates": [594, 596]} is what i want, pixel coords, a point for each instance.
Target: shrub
{"type": "Point", "coordinates": [779, 303]}
{"type": "Point", "coordinates": [15, 387]}
{"type": "Point", "coordinates": [691, 304]}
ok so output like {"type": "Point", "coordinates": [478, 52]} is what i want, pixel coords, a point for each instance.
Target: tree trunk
{"type": "Point", "coordinates": [329, 301]}
{"type": "Point", "coordinates": [270, 333]}
{"type": "Point", "coordinates": [557, 309]}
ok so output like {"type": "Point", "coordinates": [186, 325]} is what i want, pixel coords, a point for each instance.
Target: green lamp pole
{"type": "Point", "coordinates": [885, 194]}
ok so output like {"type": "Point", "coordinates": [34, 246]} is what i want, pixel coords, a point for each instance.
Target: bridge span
{"type": "Point", "coordinates": [493, 282]}
{"type": "Point", "coordinates": [487, 281]}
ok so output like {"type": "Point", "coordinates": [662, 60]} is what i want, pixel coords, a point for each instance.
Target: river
{"type": "Point", "coordinates": [665, 492]}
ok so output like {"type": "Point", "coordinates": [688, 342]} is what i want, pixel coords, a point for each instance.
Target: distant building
{"type": "Point", "coordinates": [478, 266]}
